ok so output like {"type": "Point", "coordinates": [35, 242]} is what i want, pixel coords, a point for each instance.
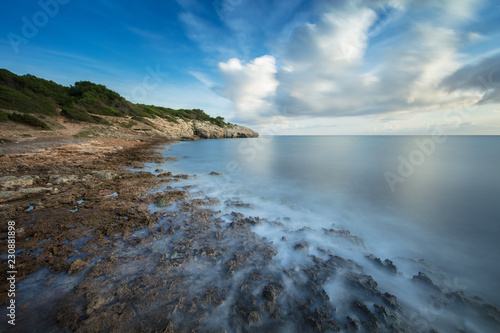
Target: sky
{"type": "Point", "coordinates": [295, 67]}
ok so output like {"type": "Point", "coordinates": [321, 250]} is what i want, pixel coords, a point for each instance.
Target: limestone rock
{"type": "Point", "coordinates": [9, 182]}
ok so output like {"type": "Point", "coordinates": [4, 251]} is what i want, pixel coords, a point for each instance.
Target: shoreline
{"type": "Point", "coordinates": [65, 190]}
{"type": "Point", "coordinates": [97, 259]}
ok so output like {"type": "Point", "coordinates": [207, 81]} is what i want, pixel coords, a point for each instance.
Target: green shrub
{"type": "Point", "coordinates": [28, 120]}
{"type": "Point", "coordinates": [4, 116]}
{"type": "Point", "coordinates": [29, 94]}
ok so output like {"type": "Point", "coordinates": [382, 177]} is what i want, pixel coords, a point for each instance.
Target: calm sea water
{"type": "Point", "coordinates": [443, 205]}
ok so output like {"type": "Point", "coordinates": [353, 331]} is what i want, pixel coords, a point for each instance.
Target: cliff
{"type": "Point", "coordinates": [118, 127]}
{"type": "Point", "coordinates": [192, 130]}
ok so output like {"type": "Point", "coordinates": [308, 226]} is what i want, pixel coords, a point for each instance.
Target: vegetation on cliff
{"type": "Point", "coordinates": [84, 101]}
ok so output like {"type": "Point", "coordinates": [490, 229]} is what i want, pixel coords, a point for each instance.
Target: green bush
{"type": "Point", "coordinates": [28, 120]}
{"type": "Point", "coordinates": [29, 94]}
{"type": "Point", "coordinates": [4, 116]}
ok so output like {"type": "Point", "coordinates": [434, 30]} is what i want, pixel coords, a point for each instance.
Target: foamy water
{"type": "Point", "coordinates": [445, 213]}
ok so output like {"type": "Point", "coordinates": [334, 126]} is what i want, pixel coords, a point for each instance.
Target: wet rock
{"type": "Point", "coordinates": [237, 216]}
{"type": "Point", "coordinates": [391, 300]}
{"type": "Point", "coordinates": [424, 280]}
{"type": "Point", "coordinates": [301, 246]}
{"type": "Point", "coordinates": [270, 293]}
{"type": "Point", "coordinates": [182, 176]}
{"type": "Point", "coordinates": [351, 325]}
{"type": "Point", "coordinates": [208, 201]}
{"type": "Point", "coordinates": [322, 321]}
{"type": "Point", "coordinates": [387, 265]}
{"type": "Point", "coordinates": [170, 198]}
{"type": "Point", "coordinates": [213, 173]}
{"type": "Point", "coordinates": [76, 266]}
{"type": "Point", "coordinates": [345, 234]}
{"type": "Point", "coordinates": [171, 158]}
{"type": "Point", "coordinates": [165, 174]}
{"type": "Point", "coordinates": [104, 174]}
{"type": "Point", "coordinates": [369, 322]}
{"type": "Point", "coordinates": [253, 317]}
{"type": "Point", "coordinates": [10, 182]}
{"type": "Point", "coordinates": [159, 170]}
{"type": "Point", "coordinates": [144, 174]}
{"type": "Point", "coordinates": [231, 203]}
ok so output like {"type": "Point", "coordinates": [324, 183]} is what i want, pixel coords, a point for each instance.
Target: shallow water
{"type": "Point", "coordinates": [446, 211]}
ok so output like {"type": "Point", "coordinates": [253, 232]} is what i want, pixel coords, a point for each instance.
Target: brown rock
{"type": "Point", "coordinates": [76, 266]}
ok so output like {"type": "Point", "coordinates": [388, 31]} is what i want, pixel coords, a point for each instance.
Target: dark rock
{"type": "Point", "coordinates": [387, 265]}
{"type": "Point", "coordinates": [270, 293]}
{"type": "Point", "coordinates": [424, 280]}
{"type": "Point", "coordinates": [231, 203]}
{"type": "Point", "coordinates": [301, 246]}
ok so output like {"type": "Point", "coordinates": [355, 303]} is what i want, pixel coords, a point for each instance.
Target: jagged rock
{"type": "Point", "coordinates": [423, 279]}
{"type": "Point", "coordinates": [387, 265]}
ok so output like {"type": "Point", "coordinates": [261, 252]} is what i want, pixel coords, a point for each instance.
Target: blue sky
{"type": "Point", "coordinates": [281, 67]}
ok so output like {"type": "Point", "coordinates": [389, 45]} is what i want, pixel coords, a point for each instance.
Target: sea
{"type": "Point", "coordinates": [424, 199]}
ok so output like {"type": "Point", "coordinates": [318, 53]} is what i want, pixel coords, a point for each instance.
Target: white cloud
{"type": "Point", "coordinates": [250, 86]}
{"type": "Point", "coordinates": [360, 58]}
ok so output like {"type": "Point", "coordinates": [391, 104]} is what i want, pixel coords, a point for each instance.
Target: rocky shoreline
{"type": "Point", "coordinates": [93, 257]}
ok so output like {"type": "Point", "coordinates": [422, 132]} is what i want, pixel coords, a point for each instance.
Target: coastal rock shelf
{"type": "Point", "coordinates": [194, 270]}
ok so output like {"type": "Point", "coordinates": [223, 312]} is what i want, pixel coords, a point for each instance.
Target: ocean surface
{"type": "Point", "coordinates": [408, 198]}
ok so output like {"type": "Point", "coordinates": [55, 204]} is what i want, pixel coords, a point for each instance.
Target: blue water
{"type": "Point", "coordinates": [444, 209]}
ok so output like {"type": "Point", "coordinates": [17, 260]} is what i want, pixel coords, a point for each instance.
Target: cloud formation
{"type": "Point", "coordinates": [483, 77]}
{"type": "Point", "coordinates": [251, 87]}
{"type": "Point", "coordinates": [339, 65]}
